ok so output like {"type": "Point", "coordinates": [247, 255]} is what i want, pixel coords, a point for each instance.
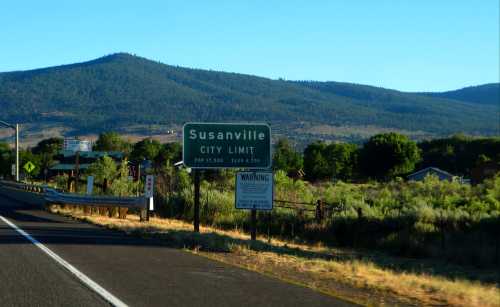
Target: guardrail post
{"type": "Point", "coordinates": [123, 213]}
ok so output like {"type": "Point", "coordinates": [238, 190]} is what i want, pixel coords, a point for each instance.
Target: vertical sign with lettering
{"type": "Point", "coordinates": [149, 186]}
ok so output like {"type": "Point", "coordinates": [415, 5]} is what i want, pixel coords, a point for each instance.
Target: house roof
{"type": "Point", "coordinates": [431, 169]}
{"type": "Point", "coordinates": [92, 154]}
{"type": "Point", "coordinates": [68, 167]}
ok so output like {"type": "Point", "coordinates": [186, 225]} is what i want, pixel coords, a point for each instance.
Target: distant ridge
{"type": "Point", "coordinates": [120, 90]}
{"type": "Point", "coordinates": [482, 94]}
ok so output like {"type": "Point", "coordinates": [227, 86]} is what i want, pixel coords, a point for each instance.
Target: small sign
{"type": "Point", "coordinates": [225, 145]}
{"type": "Point", "coordinates": [90, 185]}
{"type": "Point", "coordinates": [254, 190]}
{"type": "Point", "coordinates": [149, 186]}
{"type": "Point", "coordinates": [29, 167]}
{"type": "Point", "coordinates": [77, 145]}
{"type": "Point", "coordinates": [13, 170]}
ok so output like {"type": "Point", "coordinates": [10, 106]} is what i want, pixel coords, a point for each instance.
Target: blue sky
{"type": "Point", "coordinates": [402, 44]}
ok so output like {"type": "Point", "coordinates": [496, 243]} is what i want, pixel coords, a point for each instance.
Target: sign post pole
{"type": "Point", "coordinates": [196, 219]}
{"type": "Point", "coordinates": [77, 170]}
{"type": "Point", "coordinates": [17, 152]}
{"type": "Point", "coordinates": [254, 225]}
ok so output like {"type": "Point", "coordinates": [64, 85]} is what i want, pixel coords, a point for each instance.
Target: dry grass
{"type": "Point", "coordinates": [339, 272]}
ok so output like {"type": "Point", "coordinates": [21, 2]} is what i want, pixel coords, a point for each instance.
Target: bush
{"type": "Point", "coordinates": [431, 218]}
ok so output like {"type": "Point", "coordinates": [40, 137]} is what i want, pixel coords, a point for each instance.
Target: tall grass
{"type": "Point", "coordinates": [431, 218]}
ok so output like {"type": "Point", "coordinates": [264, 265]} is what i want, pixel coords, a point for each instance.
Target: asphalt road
{"type": "Point", "coordinates": [139, 272]}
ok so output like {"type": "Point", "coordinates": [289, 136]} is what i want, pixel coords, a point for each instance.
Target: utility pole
{"type": "Point", "coordinates": [77, 170]}
{"type": "Point", "coordinates": [16, 129]}
{"type": "Point", "coordinates": [17, 152]}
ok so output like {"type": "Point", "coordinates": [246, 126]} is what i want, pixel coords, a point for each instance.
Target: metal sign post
{"type": "Point", "coordinates": [17, 152]}
{"type": "Point", "coordinates": [253, 232]}
{"type": "Point", "coordinates": [196, 218]}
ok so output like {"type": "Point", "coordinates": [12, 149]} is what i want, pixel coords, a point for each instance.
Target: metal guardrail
{"type": "Point", "coordinates": [52, 196]}
{"type": "Point", "coordinates": [23, 186]}
{"type": "Point", "coordinates": [29, 194]}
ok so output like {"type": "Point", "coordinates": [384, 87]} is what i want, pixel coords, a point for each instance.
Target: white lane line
{"type": "Point", "coordinates": [84, 278]}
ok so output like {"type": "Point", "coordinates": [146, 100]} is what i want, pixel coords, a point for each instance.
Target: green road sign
{"type": "Point", "coordinates": [29, 167]}
{"type": "Point", "coordinates": [223, 145]}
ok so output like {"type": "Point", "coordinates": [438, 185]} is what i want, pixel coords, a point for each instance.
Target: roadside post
{"type": "Point", "coordinates": [148, 194]}
{"type": "Point", "coordinates": [224, 145]}
{"type": "Point", "coordinates": [90, 185]}
{"type": "Point", "coordinates": [77, 170]}
{"type": "Point", "coordinates": [196, 218]}
{"type": "Point", "coordinates": [253, 231]}
{"type": "Point", "coordinates": [17, 152]}
{"type": "Point", "coordinates": [90, 190]}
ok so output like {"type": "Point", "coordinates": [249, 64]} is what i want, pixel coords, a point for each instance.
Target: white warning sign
{"type": "Point", "coordinates": [254, 190]}
{"type": "Point", "coordinates": [149, 186]}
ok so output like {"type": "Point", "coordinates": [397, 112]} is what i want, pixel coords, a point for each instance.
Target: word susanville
{"type": "Point", "coordinates": [245, 135]}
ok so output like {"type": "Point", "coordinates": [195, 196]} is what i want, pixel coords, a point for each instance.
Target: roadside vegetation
{"type": "Point", "coordinates": [361, 276]}
{"type": "Point", "coordinates": [433, 218]}
{"type": "Point", "coordinates": [343, 214]}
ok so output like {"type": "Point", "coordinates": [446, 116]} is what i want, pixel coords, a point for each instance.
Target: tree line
{"type": "Point", "coordinates": [382, 157]}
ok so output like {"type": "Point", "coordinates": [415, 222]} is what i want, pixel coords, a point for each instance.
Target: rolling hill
{"type": "Point", "coordinates": [488, 94]}
{"type": "Point", "coordinates": [121, 91]}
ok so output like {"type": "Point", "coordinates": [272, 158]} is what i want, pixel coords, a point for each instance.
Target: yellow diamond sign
{"type": "Point", "coordinates": [29, 167]}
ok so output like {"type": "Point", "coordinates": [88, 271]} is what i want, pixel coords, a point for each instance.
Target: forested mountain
{"type": "Point", "coordinates": [121, 90]}
{"type": "Point", "coordinates": [488, 94]}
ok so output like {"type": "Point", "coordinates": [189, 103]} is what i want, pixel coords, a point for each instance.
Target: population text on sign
{"type": "Point", "coordinates": [254, 190]}
{"type": "Point", "coordinates": [223, 145]}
